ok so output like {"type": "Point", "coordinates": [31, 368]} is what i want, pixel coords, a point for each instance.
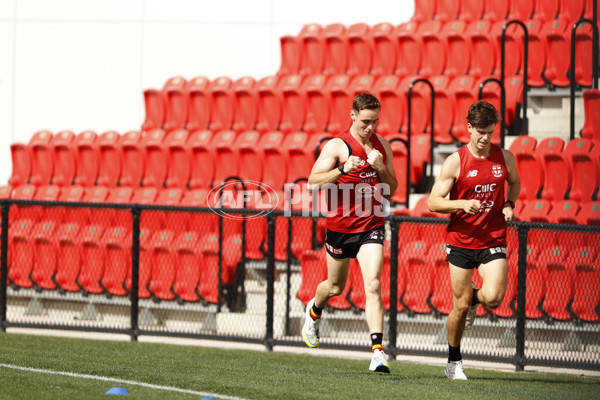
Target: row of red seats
{"type": "Point", "coordinates": [554, 171]}
{"type": "Point", "coordinates": [436, 47]}
{"type": "Point", "coordinates": [317, 103]}
{"type": "Point", "coordinates": [571, 10]}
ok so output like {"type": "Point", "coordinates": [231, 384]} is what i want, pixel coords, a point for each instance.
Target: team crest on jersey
{"type": "Point", "coordinates": [497, 171]}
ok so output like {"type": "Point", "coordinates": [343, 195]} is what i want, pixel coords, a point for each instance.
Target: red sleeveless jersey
{"type": "Point", "coordinates": [480, 179]}
{"type": "Point", "coordinates": [355, 202]}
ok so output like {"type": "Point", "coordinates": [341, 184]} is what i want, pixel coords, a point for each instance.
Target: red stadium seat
{"type": "Point", "coordinates": [294, 103]}
{"type": "Point", "coordinates": [172, 220]}
{"type": "Point", "coordinates": [274, 160]}
{"type": "Point", "coordinates": [496, 10]}
{"type": "Point", "coordinates": [393, 102]}
{"type": "Point", "coordinates": [42, 158]}
{"type": "Point", "coordinates": [444, 109]}
{"type": "Point", "coordinates": [360, 53]}
{"type": "Point", "coordinates": [187, 273]}
{"type": "Point", "coordinates": [589, 213]}
{"type": "Point", "coordinates": [591, 105]}
{"type": "Point", "coordinates": [521, 10]}
{"type": "Point", "coordinates": [93, 255]}
{"type": "Point", "coordinates": [312, 272]}
{"type": "Point", "coordinates": [536, 63]}
{"type": "Point", "coordinates": [203, 160]}
{"type": "Point", "coordinates": [201, 223]}
{"type": "Point", "coordinates": [419, 285]}
{"type": "Point", "coordinates": [226, 158]}
{"type": "Point", "coordinates": [133, 167]}
{"type": "Point", "coordinates": [200, 104]}
{"type": "Point", "coordinates": [514, 94]}
{"type": "Point", "coordinates": [156, 159]}
{"type": "Point", "coordinates": [447, 10]}
{"type": "Point", "coordinates": [338, 87]}
{"type": "Point", "coordinates": [409, 49]}
{"type": "Point", "coordinates": [176, 103]}
{"type": "Point", "coordinates": [587, 283]}
{"type": "Point", "coordinates": [547, 9]}
{"type": "Point", "coordinates": [336, 49]}
{"type": "Point", "coordinates": [424, 10]}
{"type": "Point", "coordinates": [481, 42]}
{"type": "Point", "coordinates": [536, 211]}
{"type": "Point", "coordinates": [421, 105]}
{"type": "Point", "coordinates": [317, 104]}
{"type": "Point", "coordinates": [471, 10]}
{"type": "Point", "coordinates": [385, 49]}
{"type": "Point", "coordinates": [434, 49]}
{"type": "Point", "coordinates": [312, 49]}
{"type": "Point", "coordinates": [300, 157]}
{"type": "Point", "coordinates": [458, 56]}
{"type": "Point", "coordinates": [583, 54]}
{"type": "Point", "coordinates": [399, 151]}
{"type": "Point", "coordinates": [163, 266]}
{"type": "Point", "coordinates": [249, 156]}
{"type": "Point", "coordinates": [588, 13]}
{"type": "Point", "coordinates": [557, 35]}
{"type": "Point", "coordinates": [564, 212]}
{"type": "Point", "coordinates": [529, 167]}
{"type": "Point", "coordinates": [559, 282]}
{"type": "Point", "coordinates": [21, 164]}
{"type": "Point", "coordinates": [557, 172]}
{"type": "Point", "coordinates": [290, 55]}
{"type": "Point", "coordinates": [572, 10]}
{"type": "Point", "coordinates": [118, 242]}
{"type": "Point", "coordinates": [462, 90]}
{"type": "Point", "coordinates": [179, 161]}
{"type": "Point", "coordinates": [585, 171]}
{"type": "Point", "coordinates": [270, 105]}
{"type": "Point", "coordinates": [154, 104]}
{"type": "Point", "coordinates": [246, 104]}
{"type": "Point", "coordinates": [65, 158]}
{"type": "Point", "coordinates": [88, 158]}
{"type": "Point", "coordinates": [223, 103]}
{"type": "Point", "coordinates": [513, 48]}
{"type": "Point", "coordinates": [110, 159]}
{"type": "Point", "coordinates": [209, 275]}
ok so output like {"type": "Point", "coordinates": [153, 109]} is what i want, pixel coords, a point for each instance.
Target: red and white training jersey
{"type": "Point", "coordinates": [480, 179]}
{"type": "Point", "coordinates": [357, 204]}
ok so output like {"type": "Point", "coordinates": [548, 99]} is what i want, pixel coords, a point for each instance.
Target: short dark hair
{"type": "Point", "coordinates": [482, 114]}
{"type": "Point", "coordinates": [365, 101]}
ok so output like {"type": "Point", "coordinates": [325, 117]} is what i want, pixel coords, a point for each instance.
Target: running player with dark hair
{"type": "Point", "coordinates": [356, 169]}
{"type": "Point", "coordinates": [474, 177]}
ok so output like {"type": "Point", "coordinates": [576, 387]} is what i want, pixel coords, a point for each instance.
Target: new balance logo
{"type": "Point", "coordinates": [472, 173]}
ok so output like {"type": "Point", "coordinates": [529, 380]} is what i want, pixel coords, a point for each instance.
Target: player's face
{"type": "Point", "coordinates": [481, 136]}
{"type": "Point", "coordinates": [365, 121]}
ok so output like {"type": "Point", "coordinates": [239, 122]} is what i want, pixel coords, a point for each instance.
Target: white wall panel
{"type": "Point", "coordinates": [7, 9]}
{"type": "Point", "coordinates": [79, 10]}
{"type": "Point", "coordinates": [256, 11]}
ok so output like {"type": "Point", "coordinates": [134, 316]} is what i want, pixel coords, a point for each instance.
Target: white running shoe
{"type": "Point", "coordinates": [472, 314]}
{"type": "Point", "coordinates": [454, 370]}
{"type": "Point", "coordinates": [310, 330]}
{"type": "Point", "coordinates": [379, 362]}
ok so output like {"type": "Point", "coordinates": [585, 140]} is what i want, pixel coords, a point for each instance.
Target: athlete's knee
{"type": "Point", "coordinates": [336, 290]}
{"type": "Point", "coordinates": [494, 300]}
{"type": "Point", "coordinates": [373, 288]}
{"type": "Point", "coordinates": [462, 306]}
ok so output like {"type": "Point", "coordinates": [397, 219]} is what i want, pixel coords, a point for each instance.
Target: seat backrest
{"type": "Point", "coordinates": [290, 55]}
{"type": "Point", "coordinates": [483, 47]}
{"type": "Point", "coordinates": [312, 49]}
{"type": "Point", "coordinates": [536, 62]}
{"type": "Point", "coordinates": [156, 159]}
{"type": "Point", "coordinates": [179, 159]}
{"type": "Point", "coordinates": [496, 10]}
{"type": "Point", "coordinates": [270, 104]}
{"type": "Point", "coordinates": [385, 49]}
{"type": "Point", "coordinates": [133, 167]}
{"type": "Point", "coordinates": [521, 9]}
{"type": "Point", "coordinates": [200, 104]}
{"type": "Point", "coordinates": [176, 103]}
{"type": "Point", "coordinates": [462, 90]}
{"type": "Point", "coordinates": [110, 159]}
{"type": "Point", "coordinates": [317, 103]}
{"type": "Point", "coordinates": [557, 35]}
{"type": "Point", "coordinates": [528, 166]}
{"type": "Point", "coordinates": [444, 109]}
{"type": "Point", "coordinates": [249, 156]}
{"type": "Point", "coordinates": [472, 10]}
{"type": "Point", "coordinates": [42, 158]}
{"type": "Point", "coordinates": [513, 48]}
{"type": "Point", "coordinates": [547, 9]}
{"type": "Point", "coordinates": [293, 103]}
{"type": "Point", "coordinates": [245, 104]}
{"type": "Point", "coordinates": [409, 49]}
{"type": "Point", "coordinates": [585, 171]}
{"type": "Point", "coordinates": [336, 49]}
{"type": "Point", "coordinates": [88, 158]}
{"type": "Point", "coordinates": [300, 157]}
{"type": "Point", "coordinates": [447, 10]}
{"type": "Point", "coordinates": [424, 10]}
{"type": "Point", "coordinates": [65, 158]}
{"type": "Point", "coordinates": [223, 103]}
{"type": "Point", "coordinates": [572, 10]}
{"type": "Point", "coordinates": [393, 104]}
{"type": "Point", "coordinates": [274, 159]}
{"type": "Point", "coordinates": [226, 156]}
{"type": "Point", "coordinates": [420, 105]}
{"type": "Point", "coordinates": [591, 105]}
{"type": "Point", "coordinates": [154, 104]}
{"type": "Point", "coordinates": [21, 164]}
{"type": "Point", "coordinates": [557, 172]}
{"type": "Point", "coordinates": [583, 54]}
{"type": "Point", "coordinates": [458, 56]}
{"type": "Point", "coordinates": [399, 152]}
{"type": "Point", "coordinates": [340, 103]}
{"type": "Point", "coordinates": [434, 49]}
{"type": "Point", "coordinates": [202, 158]}
{"type": "Point", "coordinates": [360, 44]}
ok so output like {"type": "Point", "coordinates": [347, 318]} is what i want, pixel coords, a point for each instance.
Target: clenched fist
{"type": "Point", "coordinates": [472, 206]}
{"type": "Point", "coordinates": [375, 158]}
{"type": "Point", "coordinates": [351, 164]}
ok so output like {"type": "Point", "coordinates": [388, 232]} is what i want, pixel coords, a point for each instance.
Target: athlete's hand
{"type": "Point", "coordinates": [509, 214]}
{"type": "Point", "coordinates": [351, 164]}
{"type": "Point", "coordinates": [375, 158]}
{"type": "Point", "coordinates": [472, 206]}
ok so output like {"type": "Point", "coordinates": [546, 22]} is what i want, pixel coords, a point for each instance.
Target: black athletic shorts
{"type": "Point", "coordinates": [346, 245]}
{"type": "Point", "coordinates": [473, 258]}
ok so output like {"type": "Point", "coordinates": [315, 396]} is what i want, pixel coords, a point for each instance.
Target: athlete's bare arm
{"type": "Point", "coordinates": [514, 184]}
{"type": "Point", "coordinates": [386, 172]}
{"type": "Point", "coordinates": [324, 170]}
{"type": "Point", "coordinates": [437, 199]}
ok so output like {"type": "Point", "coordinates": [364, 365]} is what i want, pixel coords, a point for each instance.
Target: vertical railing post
{"type": "Point", "coordinates": [135, 272]}
{"type": "Point", "coordinates": [4, 265]}
{"type": "Point", "coordinates": [572, 77]}
{"type": "Point", "coordinates": [525, 123]}
{"type": "Point", "coordinates": [393, 315]}
{"type": "Point", "coordinates": [521, 289]}
{"type": "Point", "coordinates": [270, 280]}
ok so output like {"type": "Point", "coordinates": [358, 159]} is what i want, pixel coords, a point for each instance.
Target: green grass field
{"type": "Point", "coordinates": [246, 374]}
